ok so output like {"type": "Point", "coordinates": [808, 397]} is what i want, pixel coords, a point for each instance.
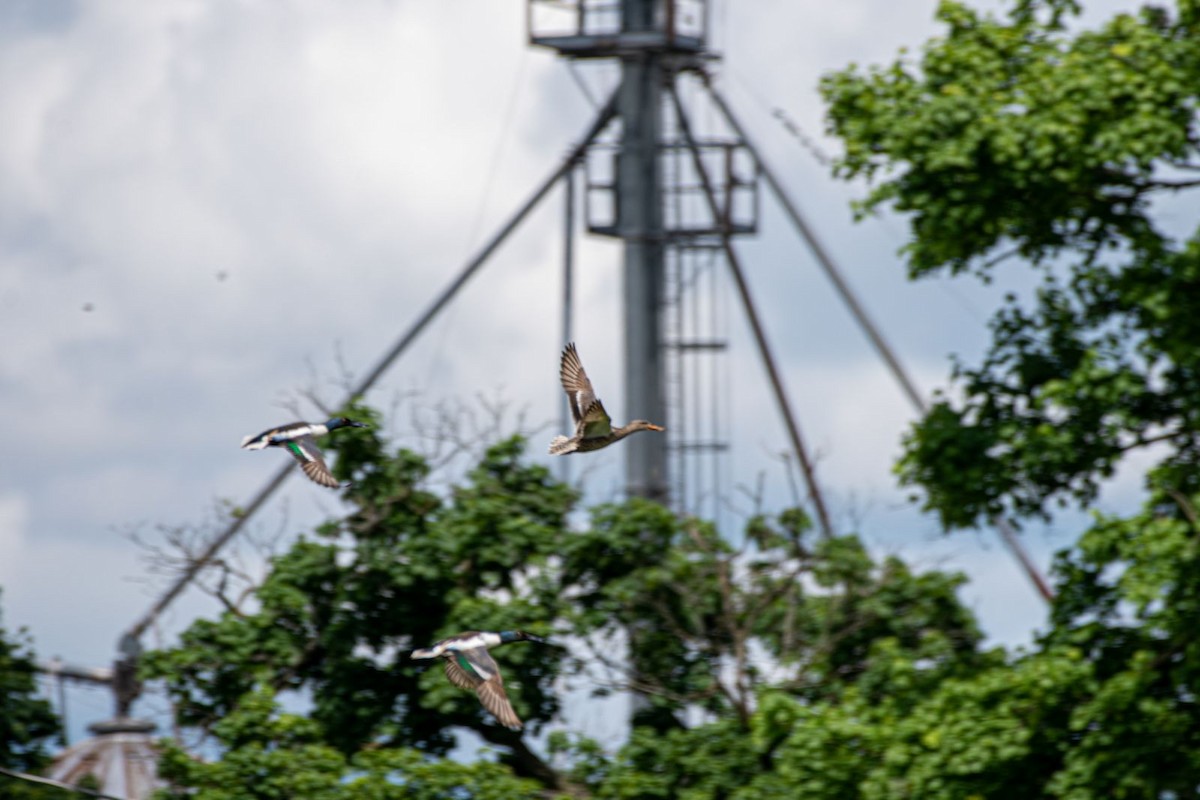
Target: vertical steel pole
{"type": "Point", "coordinates": [640, 224]}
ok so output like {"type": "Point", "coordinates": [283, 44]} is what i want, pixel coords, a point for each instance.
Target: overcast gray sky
{"type": "Point", "coordinates": [200, 202]}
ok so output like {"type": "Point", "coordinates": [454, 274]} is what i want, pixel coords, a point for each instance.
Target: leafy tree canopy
{"type": "Point", "coordinates": [708, 625]}
{"type": "Point", "coordinates": [1027, 137]}
{"type": "Point", "coordinates": [28, 725]}
{"type": "Point", "coordinates": [774, 664]}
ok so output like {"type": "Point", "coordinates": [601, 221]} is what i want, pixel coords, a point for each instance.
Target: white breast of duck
{"type": "Point", "coordinates": [483, 639]}
{"type": "Point", "coordinates": [304, 429]}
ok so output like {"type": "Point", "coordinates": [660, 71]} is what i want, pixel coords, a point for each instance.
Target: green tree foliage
{"type": "Point", "coordinates": [1103, 706]}
{"type": "Point", "coordinates": [709, 624]}
{"type": "Point", "coordinates": [281, 756]}
{"type": "Point", "coordinates": [1130, 595]}
{"type": "Point", "coordinates": [27, 723]}
{"type": "Point", "coordinates": [1027, 137]}
{"type": "Point", "coordinates": [779, 665]}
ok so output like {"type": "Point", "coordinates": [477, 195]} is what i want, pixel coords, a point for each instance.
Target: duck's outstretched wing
{"type": "Point", "coordinates": [591, 419]}
{"type": "Point", "coordinates": [476, 669]}
{"type": "Point", "coordinates": [495, 699]}
{"type": "Point", "coordinates": [312, 461]}
{"type": "Point", "coordinates": [580, 395]}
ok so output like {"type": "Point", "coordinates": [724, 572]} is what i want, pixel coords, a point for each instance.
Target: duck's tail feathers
{"type": "Point", "coordinates": [249, 443]}
{"type": "Point", "coordinates": [423, 653]}
{"type": "Point", "coordinates": [560, 445]}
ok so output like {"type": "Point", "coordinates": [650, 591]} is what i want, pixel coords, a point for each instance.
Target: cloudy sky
{"type": "Point", "coordinates": [206, 207]}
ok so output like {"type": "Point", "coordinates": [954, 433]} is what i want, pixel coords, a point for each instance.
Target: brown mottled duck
{"type": "Point", "coordinates": [593, 426]}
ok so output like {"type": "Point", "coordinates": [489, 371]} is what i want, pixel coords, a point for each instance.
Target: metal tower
{"type": "Point", "coordinates": [676, 201]}
{"type": "Point", "coordinates": [636, 191]}
{"type": "Point", "coordinates": [642, 35]}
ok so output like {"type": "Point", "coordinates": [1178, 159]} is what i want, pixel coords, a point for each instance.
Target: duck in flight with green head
{"type": "Point", "coordinates": [299, 438]}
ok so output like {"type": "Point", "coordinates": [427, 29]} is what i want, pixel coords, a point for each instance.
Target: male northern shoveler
{"type": "Point", "coordinates": [298, 438]}
{"type": "Point", "coordinates": [593, 426]}
{"type": "Point", "coordinates": [469, 665]}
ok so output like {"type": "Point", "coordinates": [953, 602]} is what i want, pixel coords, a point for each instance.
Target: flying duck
{"type": "Point", "coordinates": [593, 426]}
{"type": "Point", "coordinates": [469, 665]}
{"type": "Point", "coordinates": [298, 438]}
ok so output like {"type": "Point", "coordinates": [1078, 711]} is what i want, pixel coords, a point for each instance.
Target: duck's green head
{"type": "Point", "coordinates": [520, 636]}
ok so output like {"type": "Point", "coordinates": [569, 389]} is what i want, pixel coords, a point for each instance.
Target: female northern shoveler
{"type": "Point", "coordinates": [469, 665]}
{"type": "Point", "coordinates": [297, 437]}
{"type": "Point", "coordinates": [593, 426]}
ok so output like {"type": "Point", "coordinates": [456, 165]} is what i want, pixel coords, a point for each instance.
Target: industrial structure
{"type": "Point", "coordinates": [640, 187]}
{"type": "Point", "coordinates": [121, 757]}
